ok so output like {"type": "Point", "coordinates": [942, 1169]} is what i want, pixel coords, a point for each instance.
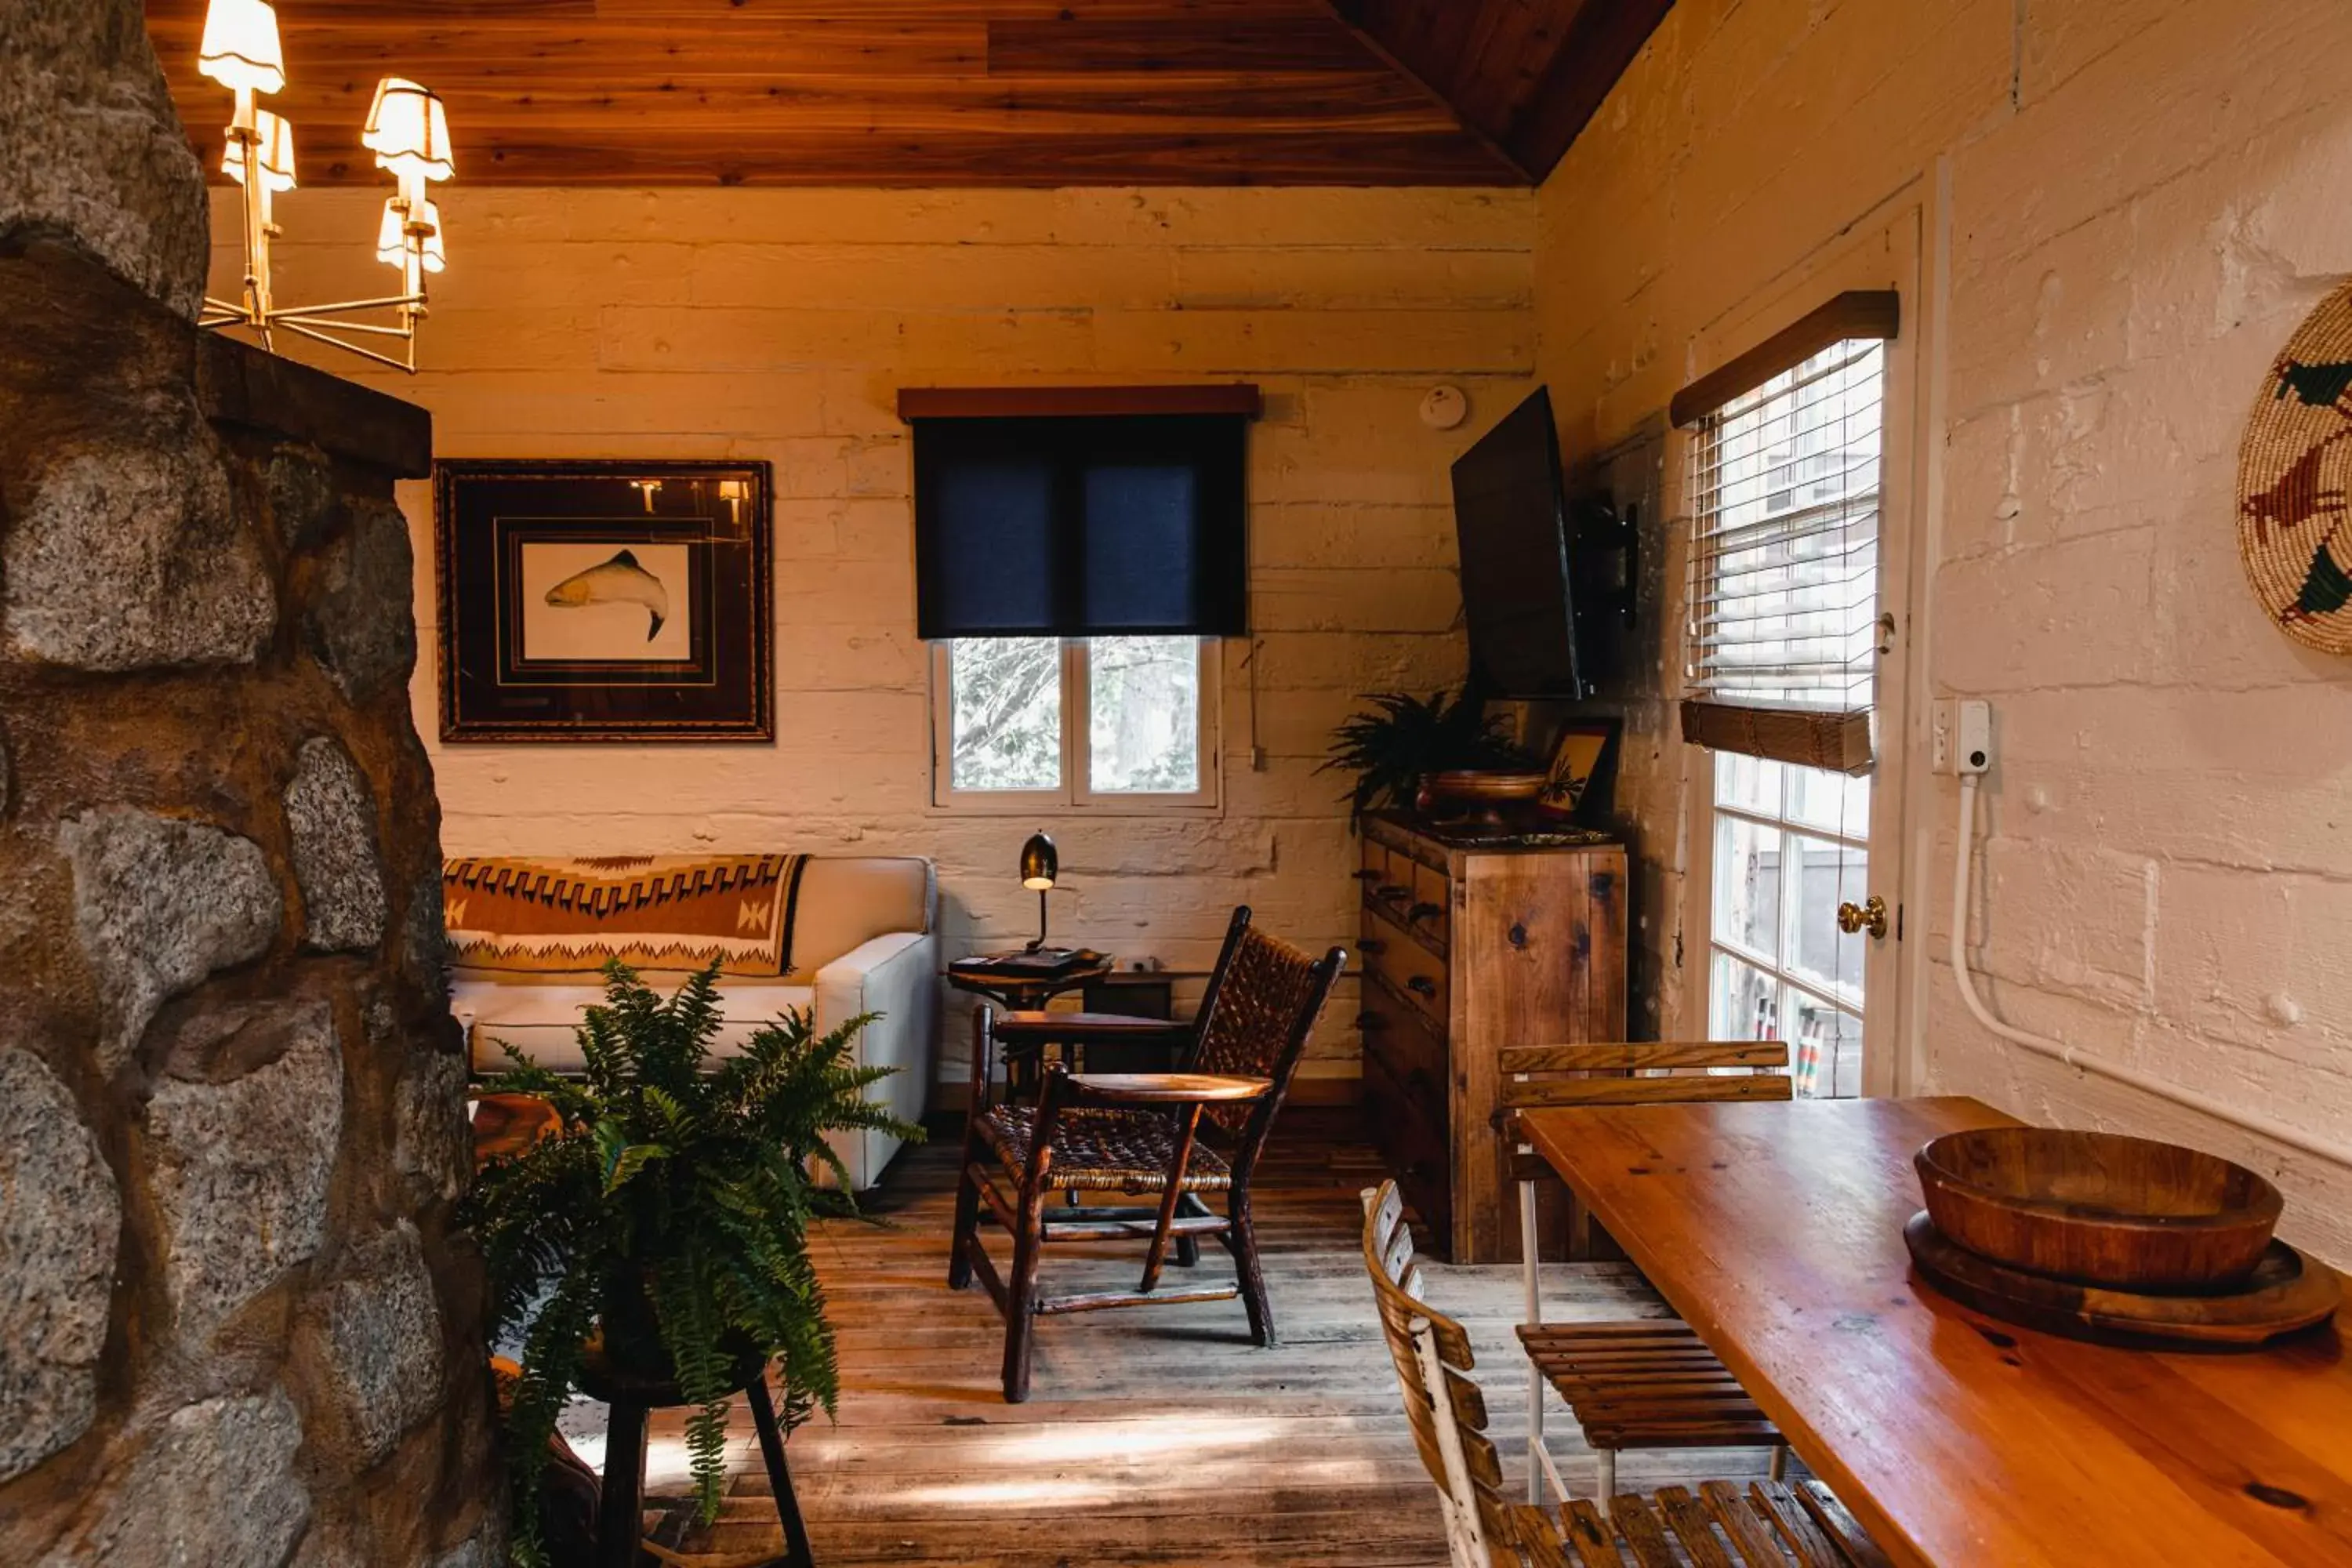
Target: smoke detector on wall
{"type": "Point", "coordinates": [1445, 407]}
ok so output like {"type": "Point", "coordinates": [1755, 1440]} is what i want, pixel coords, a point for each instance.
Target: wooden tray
{"type": "Point", "coordinates": [2286, 1292]}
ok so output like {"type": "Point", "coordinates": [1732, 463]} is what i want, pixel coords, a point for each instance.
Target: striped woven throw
{"type": "Point", "coordinates": [650, 911]}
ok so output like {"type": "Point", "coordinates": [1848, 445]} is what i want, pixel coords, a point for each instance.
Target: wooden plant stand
{"type": "Point", "coordinates": [620, 1518]}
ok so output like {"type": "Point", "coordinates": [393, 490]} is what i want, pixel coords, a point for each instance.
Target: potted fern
{"type": "Point", "coordinates": [664, 1233]}
{"type": "Point", "coordinates": [1406, 740]}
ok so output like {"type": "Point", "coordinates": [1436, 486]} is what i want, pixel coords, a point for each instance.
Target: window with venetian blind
{"type": "Point", "coordinates": [1780, 666]}
{"type": "Point", "coordinates": [1784, 632]}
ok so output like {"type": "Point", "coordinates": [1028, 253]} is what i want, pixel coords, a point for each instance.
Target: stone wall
{"type": "Point", "coordinates": [2124, 209]}
{"type": "Point", "coordinates": [779, 324]}
{"type": "Point", "coordinates": [235, 1325]}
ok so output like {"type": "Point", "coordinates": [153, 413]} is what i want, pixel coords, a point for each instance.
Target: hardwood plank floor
{"type": "Point", "coordinates": [1157, 1434]}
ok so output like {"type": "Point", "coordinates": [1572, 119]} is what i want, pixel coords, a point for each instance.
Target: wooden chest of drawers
{"type": "Point", "coordinates": [1468, 946]}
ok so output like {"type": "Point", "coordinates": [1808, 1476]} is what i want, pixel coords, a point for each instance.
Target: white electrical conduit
{"type": "Point", "coordinates": [2057, 1051]}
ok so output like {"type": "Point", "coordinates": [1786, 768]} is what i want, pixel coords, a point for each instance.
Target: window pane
{"type": "Point", "coordinates": [1747, 886]}
{"type": "Point", "coordinates": [1144, 701]}
{"type": "Point", "coordinates": [1826, 875]}
{"type": "Point", "coordinates": [1749, 782]}
{"type": "Point", "coordinates": [1007, 694]}
{"type": "Point", "coordinates": [1826, 1060]}
{"type": "Point", "coordinates": [1744, 1000]}
{"type": "Point", "coordinates": [1838, 802]}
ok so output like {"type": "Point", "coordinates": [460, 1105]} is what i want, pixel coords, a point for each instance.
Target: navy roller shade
{"type": "Point", "coordinates": [1080, 526]}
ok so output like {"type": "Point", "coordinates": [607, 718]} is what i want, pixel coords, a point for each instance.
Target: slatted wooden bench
{"type": "Point", "coordinates": [1641, 1383]}
{"type": "Point", "coordinates": [1769, 1524]}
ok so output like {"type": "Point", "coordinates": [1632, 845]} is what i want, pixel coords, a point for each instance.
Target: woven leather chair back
{"type": "Point", "coordinates": [1396, 1289]}
{"type": "Point", "coordinates": [1261, 1004]}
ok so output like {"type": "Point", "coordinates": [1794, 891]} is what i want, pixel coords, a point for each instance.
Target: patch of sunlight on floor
{"type": "Point", "coordinates": [1095, 1444]}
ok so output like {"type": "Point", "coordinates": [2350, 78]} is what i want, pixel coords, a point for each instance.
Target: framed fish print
{"type": "Point", "coordinates": [604, 601]}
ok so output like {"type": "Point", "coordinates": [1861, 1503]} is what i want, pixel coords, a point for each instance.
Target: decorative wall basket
{"type": "Point", "coordinates": [2295, 528]}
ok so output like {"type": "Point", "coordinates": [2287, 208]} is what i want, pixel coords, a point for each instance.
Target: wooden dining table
{"type": "Point", "coordinates": [1776, 1231]}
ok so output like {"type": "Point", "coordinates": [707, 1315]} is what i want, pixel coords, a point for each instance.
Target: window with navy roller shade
{"type": "Point", "coordinates": [1080, 526]}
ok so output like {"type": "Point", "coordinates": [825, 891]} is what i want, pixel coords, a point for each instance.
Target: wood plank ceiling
{"type": "Point", "coordinates": [946, 93]}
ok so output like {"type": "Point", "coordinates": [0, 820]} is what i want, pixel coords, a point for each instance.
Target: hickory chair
{"type": "Point", "coordinates": [1643, 1383]}
{"type": "Point", "coordinates": [1772, 1525]}
{"type": "Point", "coordinates": [1169, 1137]}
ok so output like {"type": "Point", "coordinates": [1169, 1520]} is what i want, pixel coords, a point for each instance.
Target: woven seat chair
{"type": "Point", "coordinates": [1643, 1383]}
{"type": "Point", "coordinates": [1770, 1524]}
{"type": "Point", "coordinates": [1169, 1137]}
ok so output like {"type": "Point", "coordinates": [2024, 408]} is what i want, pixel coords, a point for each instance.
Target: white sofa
{"type": "Point", "coordinates": [863, 941]}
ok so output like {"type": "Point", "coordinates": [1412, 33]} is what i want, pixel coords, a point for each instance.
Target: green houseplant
{"type": "Point", "coordinates": [669, 1219]}
{"type": "Point", "coordinates": [1405, 737]}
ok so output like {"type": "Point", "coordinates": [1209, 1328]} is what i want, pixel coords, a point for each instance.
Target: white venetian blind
{"type": "Point", "coordinates": [1783, 640]}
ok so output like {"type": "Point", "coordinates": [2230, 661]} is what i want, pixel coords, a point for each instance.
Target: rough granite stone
{"type": "Point", "coordinates": [127, 555]}
{"type": "Point", "coordinates": [159, 904]}
{"type": "Point", "coordinates": [241, 1168]}
{"type": "Point", "coordinates": [424, 936]}
{"type": "Point", "coordinates": [432, 1148]}
{"type": "Point", "coordinates": [94, 150]}
{"type": "Point", "coordinates": [332, 814]}
{"type": "Point", "coordinates": [361, 623]}
{"type": "Point", "coordinates": [213, 1486]}
{"type": "Point", "coordinates": [303, 499]}
{"type": "Point", "coordinates": [383, 1343]}
{"type": "Point", "coordinates": [59, 1220]}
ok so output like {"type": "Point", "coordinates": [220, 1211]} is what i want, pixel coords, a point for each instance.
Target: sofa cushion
{"type": "Point", "coordinates": [650, 911]}
{"type": "Point", "coordinates": [848, 900]}
{"type": "Point", "coordinates": [541, 1021]}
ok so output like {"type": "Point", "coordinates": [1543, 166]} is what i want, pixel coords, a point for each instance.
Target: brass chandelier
{"type": "Point", "coordinates": [407, 130]}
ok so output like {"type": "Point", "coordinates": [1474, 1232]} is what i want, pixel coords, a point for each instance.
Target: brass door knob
{"type": "Point", "coordinates": [1868, 916]}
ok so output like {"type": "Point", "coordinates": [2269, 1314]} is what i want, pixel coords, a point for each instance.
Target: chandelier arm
{"type": "Point", "coordinates": [319, 313]}
{"type": "Point", "coordinates": [408, 364]}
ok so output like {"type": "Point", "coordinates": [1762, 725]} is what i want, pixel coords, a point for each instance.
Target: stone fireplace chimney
{"type": "Point", "coordinates": [236, 1328]}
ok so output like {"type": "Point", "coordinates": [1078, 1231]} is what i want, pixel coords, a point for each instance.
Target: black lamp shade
{"type": "Point", "coordinates": [1039, 865]}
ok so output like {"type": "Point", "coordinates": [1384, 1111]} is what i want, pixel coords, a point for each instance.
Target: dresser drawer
{"type": "Point", "coordinates": [1413, 1053]}
{"type": "Point", "coordinates": [1430, 913]}
{"type": "Point", "coordinates": [1413, 1146]}
{"type": "Point", "coordinates": [1406, 970]}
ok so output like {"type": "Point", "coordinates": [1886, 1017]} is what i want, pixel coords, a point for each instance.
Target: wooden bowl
{"type": "Point", "coordinates": [1481, 796]}
{"type": "Point", "coordinates": [2098, 1208]}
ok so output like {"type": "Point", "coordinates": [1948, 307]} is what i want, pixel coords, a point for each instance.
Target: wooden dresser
{"type": "Point", "coordinates": [1468, 944]}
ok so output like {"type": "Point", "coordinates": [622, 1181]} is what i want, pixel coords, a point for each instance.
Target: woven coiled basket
{"type": "Point", "coordinates": [2295, 528]}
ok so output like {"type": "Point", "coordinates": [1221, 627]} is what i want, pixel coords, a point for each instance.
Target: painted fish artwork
{"type": "Point", "coordinates": [2294, 474]}
{"type": "Point", "coordinates": [619, 581]}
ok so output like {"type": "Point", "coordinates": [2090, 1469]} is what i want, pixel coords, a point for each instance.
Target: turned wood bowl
{"type": "Point", "coordinates": [1482, 796]}
{"type": "Point", "coordinates": [2098, 1208]}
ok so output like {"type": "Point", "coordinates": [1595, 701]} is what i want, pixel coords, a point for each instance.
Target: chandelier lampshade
{"type": "Point", "coordinates": [392, 236]}
{"type": "Point", "coordinates": [273, 149]}
{"type": "Point", "coordinates": [240, 48]}
{"type": "Point", "coordinates": [408, 131]}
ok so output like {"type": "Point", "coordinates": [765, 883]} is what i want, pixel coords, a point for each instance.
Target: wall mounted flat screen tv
{"type": "Point", "coordinates": [1511, 520]}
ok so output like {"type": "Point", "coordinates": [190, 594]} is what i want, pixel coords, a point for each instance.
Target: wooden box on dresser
{"type": "Point", "coordinates": [1471, 942]}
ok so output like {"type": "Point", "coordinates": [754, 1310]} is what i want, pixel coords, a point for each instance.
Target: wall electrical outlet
{"type": "Point", "coordinates": [1960, 737]}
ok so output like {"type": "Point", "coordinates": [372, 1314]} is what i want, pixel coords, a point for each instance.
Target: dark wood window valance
{"type": "Point", "coordinates": [1837, 742]}
{"type": "Point", "coordinates": [1857, 313]}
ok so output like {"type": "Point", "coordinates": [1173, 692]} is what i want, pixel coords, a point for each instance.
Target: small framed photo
{"type": "Point", "coordinates": [604, 601]}
{"type": "Point", "coordinates": [1577, 780]}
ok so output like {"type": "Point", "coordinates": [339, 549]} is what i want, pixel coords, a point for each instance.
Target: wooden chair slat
{"type": "Point", "coordinates": [1803, 1538]}
{"type": "Point", "coordinates": [1539, 1536]}
{"type": "Point", "coordinates": [1694, 1529]}
{"type": "Point", "coordinates": [1831, 1515]}
{"type": "Point", "coordinates": [1643, 1532]}
{"type": "Point", "coordinates": [1679, 1090]}
{"type": "Point", "coordinates": [1605, 1055]}
{"type": "Point", "coordinates": [1589, 1536]}
{"type": "Point", "coordinates": [1742, 1523]}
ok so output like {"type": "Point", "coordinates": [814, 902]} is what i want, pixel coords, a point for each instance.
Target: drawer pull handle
{"type": "Point", "coordinates": [1372, 945]}
{"type": "Point", "coordinates": [1421, 985]}
{"type": "Point", "coordinates": [1422, 912]}
{"type": "Point", "coordinates": [1369, 1020]}
{"type": "Point", "coordinates": [1391, 892]}
{"type": "Point", "coordinates": [1368, 875]}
